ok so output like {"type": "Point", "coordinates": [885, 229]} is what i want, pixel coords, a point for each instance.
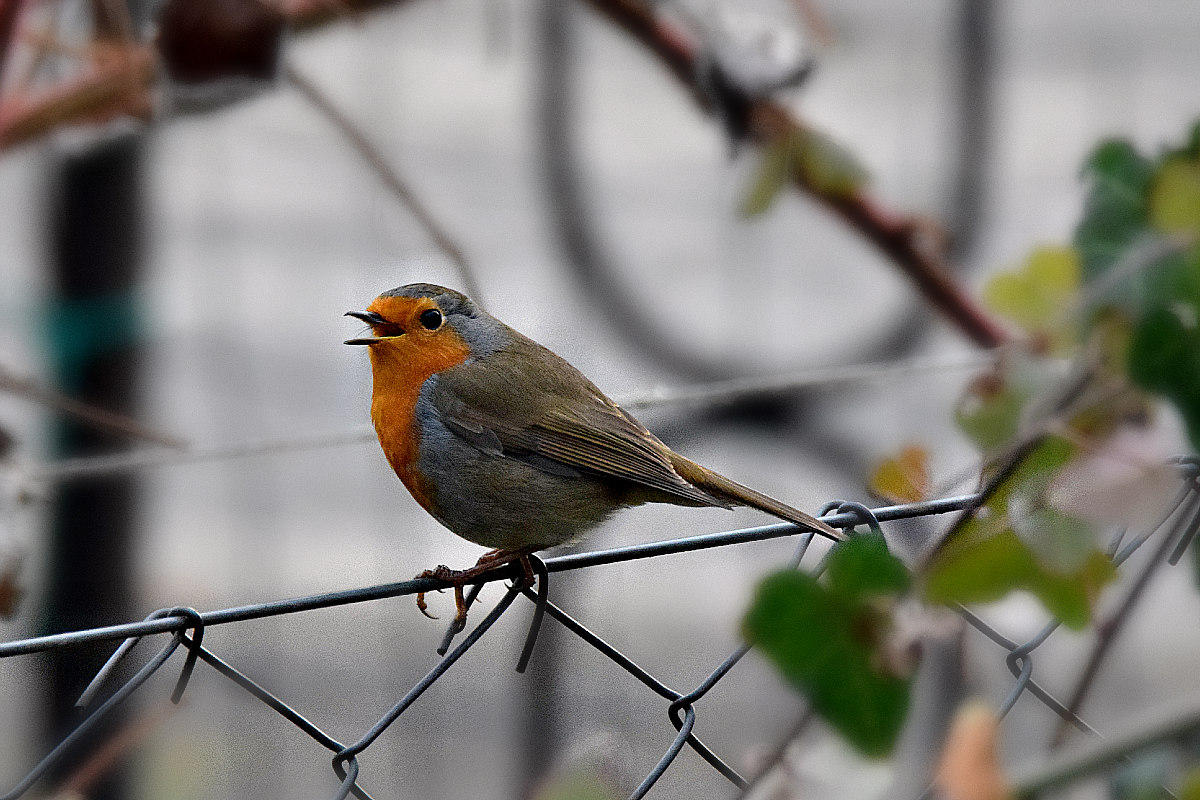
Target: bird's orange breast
{"type": "Point", "coordinates": [401, 366]}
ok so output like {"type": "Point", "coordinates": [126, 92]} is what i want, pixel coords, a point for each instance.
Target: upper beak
{"type": "Point", "coordinates": [369, 317]}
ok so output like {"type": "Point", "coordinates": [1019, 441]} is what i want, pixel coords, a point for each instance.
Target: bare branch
{"type": "Point", "coordinates": [119, 86]}
{"type": "Point", "coordinates": [10, 12]}
{"type": "Point", "coordinates": [905, 240]}
{"type": "Point", "coordinates": [376, 160]}
{"type": "Point", "coordinates": [84, 412]}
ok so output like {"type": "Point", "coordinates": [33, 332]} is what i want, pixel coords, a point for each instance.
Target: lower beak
{"type": "Point", "coordinates": [362, 341]}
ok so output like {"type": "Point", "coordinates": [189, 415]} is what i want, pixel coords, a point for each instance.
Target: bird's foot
{"type": "Point", "coordinates": [451, 576]}
{"type": "Point", "coordinates": [458, 578]}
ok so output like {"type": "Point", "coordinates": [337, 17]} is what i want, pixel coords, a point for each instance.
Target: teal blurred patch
{"type": "Point", "coordinates": [76, 331]}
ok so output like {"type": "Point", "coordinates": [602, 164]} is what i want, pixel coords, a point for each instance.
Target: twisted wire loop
{"type": "Point", "coordinates": [188, 615]}
{"type": "Point", "coordinates": [1184, 510]}
{"type": "Point", "coordinates": [859, 515]}
{"type": "Point", "coordinates": [186, 627]}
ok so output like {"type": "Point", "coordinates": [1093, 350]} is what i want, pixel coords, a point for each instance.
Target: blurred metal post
{"type": "Point", "coordinates": [92, 330]}
{"type": "Point", "coordinates": [976, 56]}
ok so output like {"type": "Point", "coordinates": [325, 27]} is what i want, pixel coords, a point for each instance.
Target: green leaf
{"type": "Point", "coordinates": [1190, 148]}
{"type": "Point", "coordinates": [862, 567]}
{"type": "Point", "coordinates": [1164, 357]}
{"type": "Point", "coordinates": [1060, 542]}
{"type": "Point", "coordinates": [991, 410]}
{"type": "Point", "coordinates": [988, 569]}
{"type": "Point", "coordinates": [1176, 277]}
{"type": "Point", "coordinates": [1115, 209]}
{"type": "Point", "coordinates": [1175, 196]}
{"type": "Point", "coordinates": [1055, 557]}
{"type": "Point", "coordinates": [828, 640]}
{"type": "Point", "coordinates": [813, 156]}
{"type": "Point", "coordinates": [824, 163]}
{"type": "Point", "coordinates": [774, 169]}
{"type": "Point", "coordinates": [1036, 296]}
{"type": "Point", "coordinates": [1131, 201]}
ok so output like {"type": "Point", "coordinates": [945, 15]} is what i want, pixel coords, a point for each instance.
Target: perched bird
{"type": "Point", "coordinates": [508, 445]}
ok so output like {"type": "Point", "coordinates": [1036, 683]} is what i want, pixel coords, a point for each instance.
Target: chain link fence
{"type": "Point", "coordinates": [186, 627]}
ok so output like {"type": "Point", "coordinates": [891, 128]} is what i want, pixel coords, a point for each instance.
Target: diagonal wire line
{"type": "Point", "coordinates": [278, 706]}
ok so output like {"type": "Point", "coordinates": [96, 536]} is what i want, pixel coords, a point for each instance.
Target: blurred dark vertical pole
{"type": "Point", "coordinates": [975, 52]}
{"type": "Point", "coordinates": [92, 326]}
{"type": "Point", "coordinates": [96, 254]}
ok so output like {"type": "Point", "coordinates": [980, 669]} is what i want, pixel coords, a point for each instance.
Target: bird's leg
{"type": "Point", "coordinates": [458, 578]}
{"type": "Point", "coordinates": [527, 578]}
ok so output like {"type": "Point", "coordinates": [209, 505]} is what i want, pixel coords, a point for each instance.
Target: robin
{"type": "Point", "coordinates": [508, 445]}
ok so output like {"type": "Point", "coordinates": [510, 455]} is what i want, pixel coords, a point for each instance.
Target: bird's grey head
{"type": "Point", "coordinates": [482, 332]}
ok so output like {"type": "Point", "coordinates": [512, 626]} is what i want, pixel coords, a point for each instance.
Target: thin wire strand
{"type": "Point", "coordinates": [706, 394]}
{"type": "Point", "coordinates": [389, 590]}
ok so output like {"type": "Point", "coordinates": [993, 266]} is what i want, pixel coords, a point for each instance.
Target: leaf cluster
{"type": "Point", "coordinates": [1066, 422]}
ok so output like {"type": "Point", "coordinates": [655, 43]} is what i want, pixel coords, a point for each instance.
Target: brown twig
{"type": "Point", "coordinates": [376, 160]}
{"type": "Point", "coordinates": [903, 239]}
{"type": "Point", "coordinates": [10, 12]}
{"type": "Point", "coordinates": [96, 417]}
{"type": "Point", "coordinates": [119, 86]}
{"type": "Point", "coordinates": [106, 92]}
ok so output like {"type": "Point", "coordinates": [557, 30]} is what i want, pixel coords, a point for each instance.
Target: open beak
{"type": "Point", "coordinates": [369, 317]}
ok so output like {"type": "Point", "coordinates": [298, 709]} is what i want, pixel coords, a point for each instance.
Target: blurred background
{"type": "Point", "coordinates": [192, 273]}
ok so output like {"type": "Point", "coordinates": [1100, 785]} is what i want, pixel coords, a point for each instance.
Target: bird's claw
{"type": "Point", "coordinates": [424, 609]}
{"type": "Point", "coordinates": [457, 578]}
{"type": "Point", "coordinates": [442, 573]}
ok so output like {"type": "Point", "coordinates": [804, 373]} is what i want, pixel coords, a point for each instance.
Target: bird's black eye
{"type": "Point", "coordinates": [431, 319]}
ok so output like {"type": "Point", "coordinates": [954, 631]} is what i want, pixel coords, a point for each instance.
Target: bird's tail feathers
{"type": "Point", "coordinates": [725, 489]}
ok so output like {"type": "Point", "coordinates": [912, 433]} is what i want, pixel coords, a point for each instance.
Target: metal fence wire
{"type": "Point", "coordinates": [186, 628]}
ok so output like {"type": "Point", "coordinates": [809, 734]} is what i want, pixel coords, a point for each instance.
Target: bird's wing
{"type": "Point", "coordinates": [528, 404]}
